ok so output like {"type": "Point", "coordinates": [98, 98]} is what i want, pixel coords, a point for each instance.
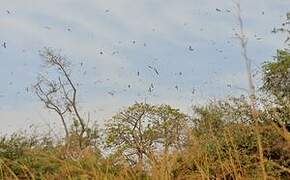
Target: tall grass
{"type": "Point", "coordinates": [229, 153]}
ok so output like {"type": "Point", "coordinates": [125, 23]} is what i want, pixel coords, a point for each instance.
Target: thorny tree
{"type": "Point", "coordinates": [58, 92]}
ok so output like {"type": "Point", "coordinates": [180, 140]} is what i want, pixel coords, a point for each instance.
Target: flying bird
{"type": "Point", "coordinates": [190, 48]}
{"type": "Point", "coordinates": [218, 10]}
{"type": "Point", "coordinates": [4, 45]}
{"type": "Point", "coordinates": [156, 71]}
{"type": "Point", "coordinates": [193, 91]}
{"type": "Point", "coordinates": [176, 87]}
{"type": "Point", "coordinates": [111, 93]}
{"type": "Point", "coordinates": [150, 89]}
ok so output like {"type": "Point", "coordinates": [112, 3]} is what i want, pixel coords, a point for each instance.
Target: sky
{"type": "Point", "coordinates": [191, 43]}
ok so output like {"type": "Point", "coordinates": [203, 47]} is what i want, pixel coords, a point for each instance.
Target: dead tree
{"type": "Point", "coordinates": [58, 92]}
{"type": "Point", "coordinates": [251, 86]}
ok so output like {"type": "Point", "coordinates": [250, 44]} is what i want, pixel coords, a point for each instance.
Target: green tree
{"type": "Point", "coordinates": [171, 125]}
{"type": "Point", "coordinates": [276, 79]}
{"type": "Point", "coordinates": [276, 82]}
{"type": "Point", "coordinates": [144, 129]}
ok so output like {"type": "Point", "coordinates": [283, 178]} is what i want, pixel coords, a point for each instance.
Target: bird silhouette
{"type": "Point", "coordinates": [176, 87]}
{"type": "Point", "coordinates": [112, 93]}
{"type": "Point", "coordinates": [156, 71]}
{"type": "Point", "coordinates": [4, 45]}
{"type": "Point", "coordinates": [150, 89]}
{"type": "Point", "coordinates": [190, 48]}
{"type": "Point", "coordinates": [193, 91]}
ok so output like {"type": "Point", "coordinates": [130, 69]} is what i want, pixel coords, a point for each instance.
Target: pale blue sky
{"type": "Point", "coordinates": [167, 28]}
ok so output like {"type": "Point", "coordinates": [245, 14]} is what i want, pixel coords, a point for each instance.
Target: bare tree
{"type": "Point", "coordinates": [252, 91]}
{"type": "Point", "coordinates": [58, 92]}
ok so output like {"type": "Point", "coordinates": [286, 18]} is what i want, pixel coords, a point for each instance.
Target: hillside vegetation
{"type": "Point", "coordinates": [246, 137]}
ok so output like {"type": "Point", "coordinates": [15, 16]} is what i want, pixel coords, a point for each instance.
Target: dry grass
{"type": "Point", "coordinates": [210, 156]}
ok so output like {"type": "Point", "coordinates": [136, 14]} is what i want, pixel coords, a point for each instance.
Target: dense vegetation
{"type": "Point", "coordinates": [145, 141]}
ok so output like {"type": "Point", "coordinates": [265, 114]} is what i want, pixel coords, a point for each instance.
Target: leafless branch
{"type": "Point", "coordinates": [60, 95]}
{"type": "Point", "coordinates": [243, 41]}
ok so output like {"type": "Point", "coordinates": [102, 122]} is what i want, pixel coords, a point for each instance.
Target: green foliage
{"type": "Point", "coordinates": [277, 76]}
{"type": "Point", "coordinates": [14, 146]}
{"type": "Point", "coordinates": [143, 129]}
{"type": "Point", "coordinates": [148, 141]}
{"type": "Point", "coordinates": [220, 143]}
{"type": "Point", "coordinates": [130, 132]}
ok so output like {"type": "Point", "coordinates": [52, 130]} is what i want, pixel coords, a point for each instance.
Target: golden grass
{"type": "Point", "coordinates": [214, 156]}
